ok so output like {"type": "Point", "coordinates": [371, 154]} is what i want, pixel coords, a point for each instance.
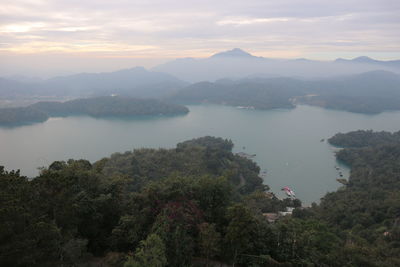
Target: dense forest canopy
{"type": "Point", "coordinates": [199, 204]}
{"type": "Point", "coordinates": [362, 138]}
{"type": "Point", "coordinates": [106, 106]}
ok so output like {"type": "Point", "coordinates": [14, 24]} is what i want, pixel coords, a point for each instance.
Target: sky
{"type": "Point", "coordinates": [49, 37]}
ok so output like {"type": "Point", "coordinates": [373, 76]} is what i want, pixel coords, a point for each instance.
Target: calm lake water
{"type": "Point", "coordinates": [286, 142]}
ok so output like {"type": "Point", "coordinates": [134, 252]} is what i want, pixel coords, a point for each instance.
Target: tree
{"type": "Point", "coordinates": [74, 250]}
{"type": "Point", "coordinates": [151, 252]}
{"type": "Point", "coordinates": [27, 237]}
{"type": "Point", "coordinates": [240, 230]}
{"type": "Point", "coordinates": [209, 240]}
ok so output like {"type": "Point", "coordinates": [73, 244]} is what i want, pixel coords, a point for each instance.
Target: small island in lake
{"type": "Point", "coordinates": [105, 106]}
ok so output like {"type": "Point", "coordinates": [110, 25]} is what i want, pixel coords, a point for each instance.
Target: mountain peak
{"type": "Point", "coordinates": [339, 59]}
{"type": "Point", "coordinates": [363, 59]}
{"type": "Point", "coordinates": [236, 52]}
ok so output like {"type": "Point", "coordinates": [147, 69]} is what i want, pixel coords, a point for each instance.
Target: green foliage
{"type": "Point", "coordinates": [199, 204]}
{"type": "Point", "coordinates": [209, 240]}
{"type": "Point", "coordinates": [240, 231]}
{"type": "Point", "coordinates": [74, 250]}
{"type": "Point", "coordinates": [27, 236]}
{"type": "Point", "coordinates": [262, 202]}
{"type": "Point", "coordinates": [198, 157]}
{"type": "Point", "coordinates": [128, 232]}
{"type": "Point", "coordinates": [368, 209]}
{"type": "Point", "coordinates": [305, 241]}
{"type": "Point", "coordinates": [151, 252]}
{"type": "Point", "coordinates": [213, 144]}
{"type": "Point", "coordinates": [176, 224]}
{"type": "Point", "coordinates": [362, 138]}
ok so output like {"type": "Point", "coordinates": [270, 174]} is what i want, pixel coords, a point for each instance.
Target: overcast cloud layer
{"type": "Point", "coordinates": [145, 32]}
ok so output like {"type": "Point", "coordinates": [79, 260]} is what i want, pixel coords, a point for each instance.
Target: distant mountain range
{"type": "Point", "coordinates": [238, 64]}
{"type": "Point", "coordinates": [233, 77]}
{"type": "Point", "coordinates": [236, 53]}
{"type": "Point", "coordinates": [368, 60]}
{"type": "Point", "coordinates": [136, 82]}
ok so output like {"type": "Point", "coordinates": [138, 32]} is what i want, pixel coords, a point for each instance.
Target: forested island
{"type": "Point", "coordinates": [106, 106]}
{"type": "Point", "coordinates": [197, 205]}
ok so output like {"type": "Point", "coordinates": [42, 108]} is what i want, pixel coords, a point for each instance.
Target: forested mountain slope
{"type": "Point", "coordinates": [195, 203]}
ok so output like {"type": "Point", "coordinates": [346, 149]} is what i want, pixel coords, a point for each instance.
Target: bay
{"type": "Point", "coordinates": [287, 143]}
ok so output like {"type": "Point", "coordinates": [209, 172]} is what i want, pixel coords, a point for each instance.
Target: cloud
{"type": "Point", "coordinates": [249, 21]}
{"type": "Point", "coordinates": [197, 28]}
{"type": "Point", "coordinates": [20, 27]}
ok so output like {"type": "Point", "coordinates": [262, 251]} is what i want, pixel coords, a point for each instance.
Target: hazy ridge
{"type": "Point", "coordinates": [232, 77]}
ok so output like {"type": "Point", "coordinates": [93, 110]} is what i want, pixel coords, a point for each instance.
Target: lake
{"type": "Point", "coordinates": [286, 142]}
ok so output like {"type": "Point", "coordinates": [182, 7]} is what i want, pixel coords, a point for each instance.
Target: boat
{"type": "Point", "coordinates": [245, 107]}
{"type": "Point", "coordinates": [342, 181]}
{"type": "Point", "coordinates": [245, 155]}
{"type": "Point", "coordinates": [289, 192]}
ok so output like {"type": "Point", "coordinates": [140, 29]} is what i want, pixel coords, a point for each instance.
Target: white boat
{"type": "Point", "coordinates": [289, 192]}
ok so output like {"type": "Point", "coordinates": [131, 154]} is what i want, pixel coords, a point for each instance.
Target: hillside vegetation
{"type": "Point", "coordinates": [198, 205]}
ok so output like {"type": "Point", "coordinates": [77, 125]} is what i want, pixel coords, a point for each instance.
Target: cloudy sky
{"type": "Point", "coordinates": [75, 35]}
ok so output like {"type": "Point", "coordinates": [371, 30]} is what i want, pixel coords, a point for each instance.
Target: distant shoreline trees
{"type": "Point", "coordinates": [107, 106]}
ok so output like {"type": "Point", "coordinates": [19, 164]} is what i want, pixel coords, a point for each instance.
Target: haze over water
{"type": "Point", "coordinates": [286, 142]}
